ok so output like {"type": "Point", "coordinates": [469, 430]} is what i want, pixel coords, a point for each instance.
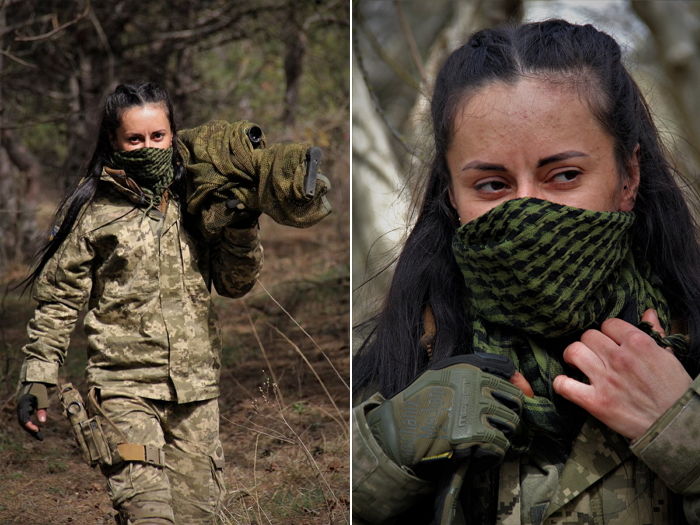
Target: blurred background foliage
{"type": "Point", "coordinates": [282, 63]}
{"type": "Point", "coordinates": [398, 47]}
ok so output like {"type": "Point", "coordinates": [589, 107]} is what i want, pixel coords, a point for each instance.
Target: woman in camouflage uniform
{"type": "Point", "coordinates": [127, 249]}
{"type": "Point", "coordinates": [523, 370]}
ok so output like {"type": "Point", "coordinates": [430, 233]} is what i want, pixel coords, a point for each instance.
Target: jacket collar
{"type": "Point", "coordinates": [126, 186]}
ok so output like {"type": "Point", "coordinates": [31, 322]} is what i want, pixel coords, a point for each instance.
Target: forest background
{"type": "Point", "coordinates": [283, 64]}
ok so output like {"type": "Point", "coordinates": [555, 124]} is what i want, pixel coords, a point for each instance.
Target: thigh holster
{"type": "Point", "coordinates": [95, 447]}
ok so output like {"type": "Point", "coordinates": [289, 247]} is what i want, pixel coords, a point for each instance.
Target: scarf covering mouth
{"type": "Point", "coordinates": [538, 275]}
{"type": "Point", "coordinates": [151, 168]}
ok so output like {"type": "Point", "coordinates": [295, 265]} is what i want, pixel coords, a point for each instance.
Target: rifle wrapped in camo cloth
{"type": "Point", "coordinates": [231, 175]}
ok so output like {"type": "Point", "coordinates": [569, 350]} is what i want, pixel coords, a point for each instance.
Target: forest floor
{"type": "Point", "coordinates": [284, 401]}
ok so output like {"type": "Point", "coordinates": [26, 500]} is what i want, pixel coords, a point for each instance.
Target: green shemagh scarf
{"type": "Point", "coordinates": [538, 275]}
{"type": "Point", "coordinates": [150, 168]}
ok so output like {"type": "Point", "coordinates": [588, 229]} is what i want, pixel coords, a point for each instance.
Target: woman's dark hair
{"type": "Point", "coordinates": [125, 96]}
{"type": "Point", "coordinates": [426, 273]}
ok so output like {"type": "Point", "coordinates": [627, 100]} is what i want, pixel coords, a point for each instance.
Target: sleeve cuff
{"type": "Point", "coordinates": [670, 447]}
{"type": "Point", "coordinates": [381, 488]}
{"type": "Point", "coordinates": [240, 236]}
{"type": "Point", "coordinates": [36, 371]}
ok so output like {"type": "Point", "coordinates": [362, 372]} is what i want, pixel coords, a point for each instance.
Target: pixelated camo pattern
{"type": "Point", "coordinates": [151, 328]}
{"type": "Point", "coordinates": [601, 483]}
{"type": "Point", "coordinates": [189, 489]}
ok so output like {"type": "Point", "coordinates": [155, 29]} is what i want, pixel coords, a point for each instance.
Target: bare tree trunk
{"type": "Point", "coordinates": [20, 176]}
{"type": "Point", "coordinates": [295, 47]}
{"type": "Point", "coordinates": [379, 211]}
{"type": "Point", "coordinates": [674, 28]}
{"type": "Point", "coordinates": [19, 191]}
{"type": "Point", "coordinates": [4, 161]}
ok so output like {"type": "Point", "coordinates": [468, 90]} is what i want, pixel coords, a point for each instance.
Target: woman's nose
{"type": "Point", "coordinates": [528, 189]}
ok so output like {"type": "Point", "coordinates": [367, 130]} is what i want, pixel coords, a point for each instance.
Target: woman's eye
{"type": "Point", "coordinates": [491, 186]}
{"type": "Point", "coordinates": [158, 135]}
{"type": "Point", "coordinates": [133, 140]}
{"type": "Point", "coordinates": [566, 176]}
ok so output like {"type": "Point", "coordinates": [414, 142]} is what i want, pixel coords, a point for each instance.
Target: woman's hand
{"type": "Point", "coordinates": [461, 407]}
{"type": "Point", "coordinates": [31, 427]}
{"type": "Point", "coordinates": [33, 399]}
{"type": "Point", "coordinates": [633, 381]}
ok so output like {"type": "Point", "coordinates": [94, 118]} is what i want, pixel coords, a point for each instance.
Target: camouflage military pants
{"type": "Point", "coordinates": [188, 489]}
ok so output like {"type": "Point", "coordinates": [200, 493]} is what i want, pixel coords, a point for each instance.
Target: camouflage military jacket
{"type": "Point", "coordinates": [606, 480]}
{"type": "Point", "coordinates": [145, 280]}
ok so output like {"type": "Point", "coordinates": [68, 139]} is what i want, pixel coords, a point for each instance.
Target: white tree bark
{"type": "Point", "coordinates": [378, 213]}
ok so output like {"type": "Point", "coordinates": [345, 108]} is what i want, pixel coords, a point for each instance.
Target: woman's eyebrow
{"type": "Point", "coordinates": [481, 165]}
{"type": "Point", "coordinates": [488, 166]}
{"type": "Point", "coordinates": [560, 156]}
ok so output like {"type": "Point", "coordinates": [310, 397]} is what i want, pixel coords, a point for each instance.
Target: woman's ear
{"type": "Point", "coordinates": [630, 185]}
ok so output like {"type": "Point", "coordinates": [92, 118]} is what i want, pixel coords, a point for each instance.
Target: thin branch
{"type": "Point", "coordinates": [17, 59]}
{"type": "Point", "coordinates": [197, 34]}
{"type": "Point", "coordinates": [58, 29]}
{"type": "Point", "coordinates": [410, 40]}
{"type": "Point", "coordinates": [100, 32]}
{"type": "Point", "coordinates": [319, 19]}
{"type": "Point", "coordinates": [375, 102]}
{"type": "Point", "coordinates": [376, 46]}
{"type": "Point", "coordinates": [13, 27]}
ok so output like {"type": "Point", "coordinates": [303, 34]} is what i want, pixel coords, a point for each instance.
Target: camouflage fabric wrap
{"type": "Point", "coordinates": [145, 281]}
{"type": "Point", "coordinates": [150, 168]}
{"type": "Point", "coordinates": [230, 175]}
{"type": "Point", "coordinates": [539, 274]}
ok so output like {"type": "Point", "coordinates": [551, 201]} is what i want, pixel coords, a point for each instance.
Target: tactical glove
{"type": "Point", "coordinates": [459, 408]}
{"type": "Point", "coordinates": [32, 397]}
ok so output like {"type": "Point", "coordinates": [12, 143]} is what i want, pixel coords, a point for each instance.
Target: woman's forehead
{"type": "Point", "coordinates": [527, 107]}
{"type": "Point", "coordinates": [147, 115]}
